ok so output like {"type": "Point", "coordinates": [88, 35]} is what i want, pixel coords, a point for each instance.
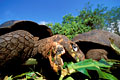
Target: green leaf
{"type": "Point", "coordinates": [109, 76]}
{"type": "Point", "coordinates": [40, 78]}
{"type": "Point", "coordinates": [69, 78]}
{"type": "Point", "coordinates": [27, 74]}
{"type": "Point", "coordinates": [90, 64]}
{"type": "Point", "coordinates": [84, 71]}
{"type": "Point", "coordinates": [8, 78]}
{"type": "Point", "coordinates": [31, 61]}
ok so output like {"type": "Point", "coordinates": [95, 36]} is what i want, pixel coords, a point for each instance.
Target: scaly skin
{"type": "Point", "coordinates": [97, 54]}
{"type": "Point", "coordinates": [18, 43]}
{"type": "Point", "coordinates": [23, 45]}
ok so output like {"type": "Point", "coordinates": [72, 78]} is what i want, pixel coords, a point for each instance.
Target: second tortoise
{"type": "Point", "coordinates": [96, 44]}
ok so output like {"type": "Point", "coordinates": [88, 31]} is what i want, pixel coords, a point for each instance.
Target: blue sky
{"type": "Point", "coordinates": [45, 10]}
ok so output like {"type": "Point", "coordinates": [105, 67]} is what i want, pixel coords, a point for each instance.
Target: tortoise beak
{"type": "Point", "coordinates": [78, 56]}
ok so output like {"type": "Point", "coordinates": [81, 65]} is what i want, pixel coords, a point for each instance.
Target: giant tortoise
{"type": "Point", "coordinates": [96, 44]}
{"type": "Point", "coordinates": [24, 39]}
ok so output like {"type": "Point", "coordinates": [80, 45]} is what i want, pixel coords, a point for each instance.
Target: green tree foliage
{"type": "Point", "coordinates": [93, 18]}
{"type": "Point", "coordinates": [87, 19]}
{"type": "Point", "coordinates": [113, 19]}
{"type": "Point", "coordinates": [70, 26]}
{"type": "Point", "coordinates": [112, 15]}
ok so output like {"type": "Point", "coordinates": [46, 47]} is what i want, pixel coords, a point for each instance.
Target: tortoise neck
{"type": "Point", "coordinates": [44, 46]}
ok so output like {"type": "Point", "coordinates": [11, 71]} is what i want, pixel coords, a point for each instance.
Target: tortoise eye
{"type": "Point", "coordinates": [75, 48]}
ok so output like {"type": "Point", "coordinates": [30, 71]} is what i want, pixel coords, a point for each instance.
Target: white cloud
{"type": "Point", "coordinates": [119, 24]}
{"type": "Point", "coordinates": [43, 22]}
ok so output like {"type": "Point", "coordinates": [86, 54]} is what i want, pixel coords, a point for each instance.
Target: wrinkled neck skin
{"type": "Point", "coordinates": [44, 46]}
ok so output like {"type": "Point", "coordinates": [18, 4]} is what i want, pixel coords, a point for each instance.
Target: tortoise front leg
{"type": "Point", "coordinates": [15, 45]}
{"type": "Point", "coordinates": [97, 54]}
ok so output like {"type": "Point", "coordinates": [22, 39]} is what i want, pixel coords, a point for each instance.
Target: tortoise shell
{"type": "Point", "coordinates": [98, 39]}
{"type": "Point", "coordinates": [41, 31]}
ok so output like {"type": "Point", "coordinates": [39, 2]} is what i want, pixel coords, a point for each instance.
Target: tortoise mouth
{"type": "Point", "coordinates": [57, 62]}
{"type": "Point", "coordinates": [67, 58]}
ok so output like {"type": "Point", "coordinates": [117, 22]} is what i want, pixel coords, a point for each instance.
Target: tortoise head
{"type": "Point", "coordinates": [63, 50]}
{"type": "Point", "coordinates": [72, 50]}
{"type": "Point", "coordinates": [59, 49]}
